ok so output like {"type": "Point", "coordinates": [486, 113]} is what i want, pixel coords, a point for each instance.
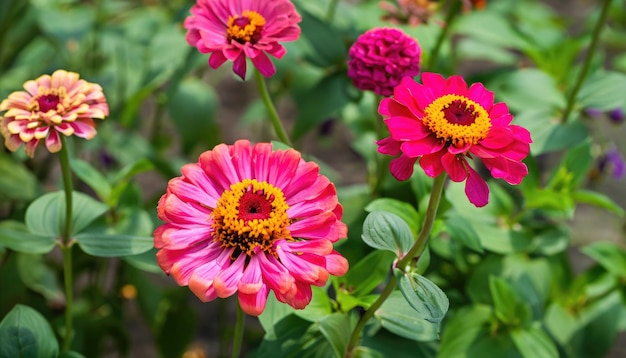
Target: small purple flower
{"type": "Point", "coordinates": [593, 112]}
{"type": "Point", "coordinates": [617, 115]}
{"type": "Point", "coordinates": [612, 160]}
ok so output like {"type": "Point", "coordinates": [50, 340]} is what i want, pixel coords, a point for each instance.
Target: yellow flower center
{"type": "Point", "coordinates": [457, 119]}
{"type": "Point", "coordinates": [251, 214]}
{"type": "Point", "coordinates": [245, 28]}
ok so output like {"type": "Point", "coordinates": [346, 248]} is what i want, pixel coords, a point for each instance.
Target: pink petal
{"type": "Point", "coordinates": [454, 166]}
{"type": "Point", "coordinates": [431, 164]}
{"type": "Point", "coordinates": [254, 303]}
{"type": "Point", "coordinates": [388, 146]}
{"type": "Point", "coordinates": [276, 277]}
{"type": "Point", "coordinates": [478, 93]}
{"type": "Point", "coordinates": [428, 145]}
{"type": "Point", "coordinates": [336, 264]}
{"type": "Point", "coordinates": [239, 66]}
{"type": "Point", "coordinates": [226, 281]}
{"type": "Point", "coordinates": [402, 167]}
{"type": "Point", "coordinates": [403, 128]}
{"type": "Point", "coordinates": [476, 188]}
{"type": "Point", "coordinates": [263, 64]}
{"type": "Point", "coordinates": [53, 142]}
{"type": "Point", "coordinates": [217, 59]}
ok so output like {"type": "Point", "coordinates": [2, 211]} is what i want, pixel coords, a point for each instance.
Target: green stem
{"type": "Point", "coordinates": [431, 213]}
{"type": "Point", "coordinates": [587, 62]}
{"type": "Point", "coordinates": [271, 110]}
{"type": "Point", "coordinates": [453, 10]}
{"type": "Point", "coordinates": [356, 333]}
{"type": "Point", "coordinates": [332, 9]}
{"type": "Point", "coordinates": [416, 249]}
{"type": "Point", "coordinates": [66, 245]}
{"type": "Point", "coordinates": [239, 327]}
{"type": "Point", "coordinates": [67, 277]}
{"type": "Point", "coordinates": [64, 158]}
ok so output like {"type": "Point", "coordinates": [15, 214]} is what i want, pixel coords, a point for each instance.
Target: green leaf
{"type": "Point", "coordinates": [46, 215]}
{"type": "Point", "coordinates": [397, 316]}
{"type": "Point", "coordinates": [16, 236]}
{"type": "Point", "coordinates": [387, 231]}
{"type": "Point", "coordinates": [499, 32]}
{"type": "Point", "coordinates": [424, 296]}
{"type": "Point", "coordinates": [145, 261]}
{"type": "Point", "coordinates": [534, 343]}
{"type": "Point", "coordinates": [39, 277]}
{"type": "Point", "coordinates": [573, 168]}
{"type": "Point", "coordinates": [71, 354]}
{"type": "Point", "coordinates": [603, 90]}
{"type": "Point", "coordinates": [328, 47]}
{"type": "Point", "coordinates": [24, 332]}
{"type": "Point", "coordinates": [402, 209]}
{"type": "Point", "coordinates": [192, 107]}
{"type": "Point", "coordinates": [597, 199]}
{"type": "Point", "coordinates": [463, 329]}
{"type": "Point", "coordinates": [611, 256]}
{"type": "Point", "coordinates": [548, 133]}
{"type": "Point", "coordinates": [367, 274]}
{"type": "Point", "coordinates": [507, 306]}
{"type": "Point", "coordinates": [16, 182]}
{"type": "Point", "coordinates": [561, 323]}
{"type": "Point", "coordinates": [336, 328]}
{"type": "Point", "coordinates": [92, 177]}
{"type": "Point", "coordinates": [316, 104]}
{"type": "Point", "coordinates": [112, 245]}
{"type": "Point", "coordinates": [528, 88]}
{"type": "Point", "coordinates": [461, 230]}
{"type": "Point", "coordinates": [319, 307]}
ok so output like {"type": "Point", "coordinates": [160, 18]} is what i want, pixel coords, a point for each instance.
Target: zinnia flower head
{"type": "Point", "coordinates": [247, 220]}
{"type": "Point", "coordinates": [52, 105]}
{"type": "Point", "coordinates": [233, 30]}
{"type": "Point", "coordinates": [381, 57]}
{"type": "Point", "coordinates": [441, 122]}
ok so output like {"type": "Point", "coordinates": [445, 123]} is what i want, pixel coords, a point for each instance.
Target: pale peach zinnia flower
{"type": "Point", "coordinates": [55, 104]}
{"type": "Point", "coordinates": [249, 220]}
{"type": "Point", "coordinates": [236, 30]}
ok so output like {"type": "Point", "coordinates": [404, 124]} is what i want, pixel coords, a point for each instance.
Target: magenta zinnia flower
{"type": "Point", "coordinates": [247, 219]}
{"type": "Point", "coordinates": [442, 123]}
{"type": "Point", "coordinates": [55, 104]}
{"type": "Point", "coordinates": [380, 58]}
{"type": "Point", "coordinates": [233, 30]}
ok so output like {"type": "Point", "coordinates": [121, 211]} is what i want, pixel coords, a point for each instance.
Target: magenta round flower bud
{"type": "Point", "coordinates": [380, 58]}
{"type": "Point", "coordinates": [617, 115]}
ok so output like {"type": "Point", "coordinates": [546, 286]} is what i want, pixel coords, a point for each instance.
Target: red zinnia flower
{"type": "Point", "coordinates": [380, 58]}
{"type": "Point", "coordinates": [247, 219]}
{"type": "Point", "coordinates": [233, 30]}
{"type": "Point", "coordinates": [55, 104]}
{"type": "Point", "coordinates": [442, 123]}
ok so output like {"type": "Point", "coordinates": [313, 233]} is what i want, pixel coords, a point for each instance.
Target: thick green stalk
{"type": "Point", "coordinates": [239, 328]}
{"type": "Point", "coordinates": [332, 9]}
{"type": "Point", "coordinates": [587, 62]}
{"type": "Point", "coordinates": [66, 244]}
{"type": "Point", "coordinates": [453, 10]}
{"type": "Point", "coordinates": [271, 110]}
{"type": "Point", "coordinates": [416, 249]}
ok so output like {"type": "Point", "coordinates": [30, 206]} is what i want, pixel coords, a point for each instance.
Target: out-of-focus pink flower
{"type": "Point", "coordinates": [411, 12]}
{"type": "Point", "coordinates": [247, 220]}
{"type": "Point", "coordinates": [442, 122]}
{"type": "Point", "coordinates": [52, 105]}
{"type": "Point", "coordinates": [381, 57]}
{"type": "Point", "coordinates": [233, 30]}
{"type": "Point", "coordinates": [478, 4]}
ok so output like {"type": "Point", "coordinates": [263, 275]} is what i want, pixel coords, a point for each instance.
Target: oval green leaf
{"type": "Point", "coordinates": [398, 317]}
{"type": "Point", "coordinates": [24, 332]}
{"type": "Point", "coordinates": [107, 245]}
{"type": "Point", "coordinates": [16, 236]}
{"type": "Point", "coordinates": [424, 296]}
{"type": "Point", "coordinates": [387, 231]}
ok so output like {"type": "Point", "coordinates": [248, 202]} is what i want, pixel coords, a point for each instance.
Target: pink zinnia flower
{"type": "Point", "coordinates": [247, 219]}
{"type": "Point", "coordinates": [55, 104]}
{"type": "Point", "coordinates": [442, 123]}
{"type": "Point", "coordinates": [233, 30]}
{"type": "Point", "coordinates": [380, 58]}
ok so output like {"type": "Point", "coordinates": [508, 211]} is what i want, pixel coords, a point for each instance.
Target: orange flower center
{"type": "Point", "coordinates": [245, 28]}
{"type": "Point", "coordinates": [251, 214]}
{"type": "Point", "coordinates": [457, 119]}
